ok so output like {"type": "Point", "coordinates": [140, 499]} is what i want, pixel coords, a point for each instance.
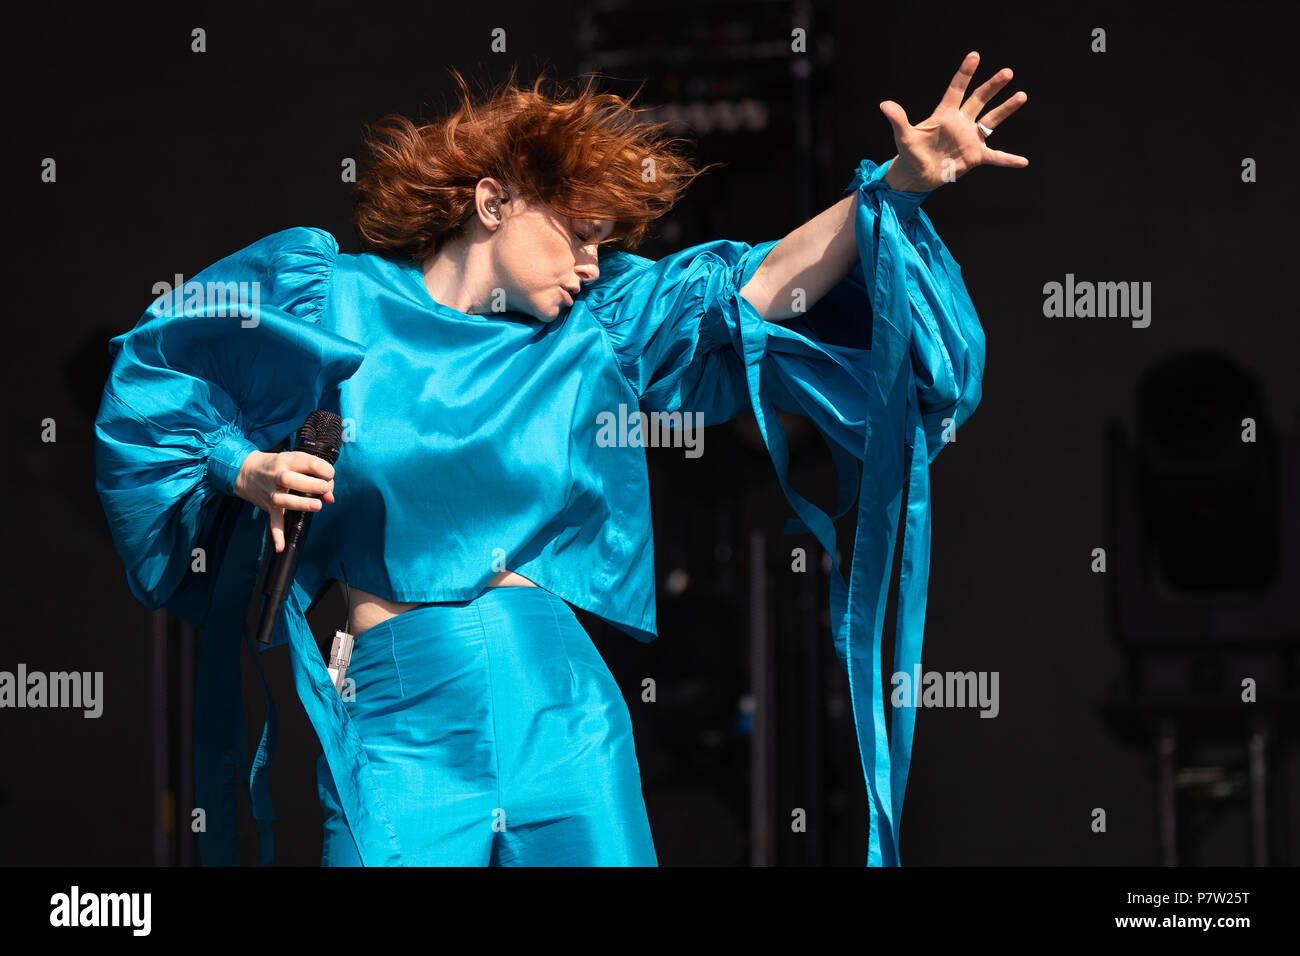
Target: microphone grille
{"type": "Point", "coordinates": [322, 435]}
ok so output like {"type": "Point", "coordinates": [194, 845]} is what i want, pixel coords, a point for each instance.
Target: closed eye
{"type": "Point", "coordinates": [591, 235]}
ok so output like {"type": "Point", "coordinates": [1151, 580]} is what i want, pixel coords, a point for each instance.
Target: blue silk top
{"type": "Point", "coordinates": [472, 444]}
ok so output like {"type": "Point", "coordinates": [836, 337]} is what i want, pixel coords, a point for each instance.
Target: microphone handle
{"type": "Point", "coordinates": [283, 566]}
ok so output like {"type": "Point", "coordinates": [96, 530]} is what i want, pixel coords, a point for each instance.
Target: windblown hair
{"type": "Point", "coordinates": [584, 154]}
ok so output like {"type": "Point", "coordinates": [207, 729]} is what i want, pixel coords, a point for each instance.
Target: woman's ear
{"type": "Point", "coordinates": [489, 197]}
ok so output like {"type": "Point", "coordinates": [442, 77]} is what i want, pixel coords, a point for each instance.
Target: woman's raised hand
{"type": "Point", "coordinates": [949, 142]}
{"type": "Point", "coordinates": [264, 476]}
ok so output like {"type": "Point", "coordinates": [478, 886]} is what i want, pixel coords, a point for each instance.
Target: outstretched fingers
{"type": "Point", "coordinates": [995, 117]}
{"type": "Point", "coordinates": [956, 91]}
{"type": "Point", "coordinates": [986, 91]}
{"type": "Point", "coordinates": [996, 157]}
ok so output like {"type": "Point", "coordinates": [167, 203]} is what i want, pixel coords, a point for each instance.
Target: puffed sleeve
{"type": "Point", "coordinates": [687, 340]}
{"type": "Point", "coordinates": [667, 323]}
{"type": "Point", "coordinates": [228, 362]}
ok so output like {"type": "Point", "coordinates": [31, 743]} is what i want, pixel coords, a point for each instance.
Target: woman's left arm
{"type": "Point", "coordinates": [807, 263]}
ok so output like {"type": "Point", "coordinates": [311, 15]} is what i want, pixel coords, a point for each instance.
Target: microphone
{"type": "Point", "coordinates": [320, 435]}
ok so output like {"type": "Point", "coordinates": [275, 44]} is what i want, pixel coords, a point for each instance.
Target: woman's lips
{"type": "Point", "coordinates": [568, 299]}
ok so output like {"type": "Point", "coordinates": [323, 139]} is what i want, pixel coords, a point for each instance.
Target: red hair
{"type": "Point", "coordinates": [583, 154]}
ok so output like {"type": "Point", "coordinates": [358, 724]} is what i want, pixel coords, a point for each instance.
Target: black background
{"type": "Point", "coordinates": [169, 160]}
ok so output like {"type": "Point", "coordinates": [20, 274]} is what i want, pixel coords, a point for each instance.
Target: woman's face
{"type": "Point", "coordinates": [539, 254]}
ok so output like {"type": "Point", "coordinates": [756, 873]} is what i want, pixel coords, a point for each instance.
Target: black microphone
{"type": "Point", "coordinates": [321, 435]}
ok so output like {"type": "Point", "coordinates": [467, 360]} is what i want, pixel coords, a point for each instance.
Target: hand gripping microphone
{"type": "Point", "coordinates": [321, 435]}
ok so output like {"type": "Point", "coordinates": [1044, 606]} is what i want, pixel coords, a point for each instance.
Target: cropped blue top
{"type": "Point", "coordinates": [479, 443]}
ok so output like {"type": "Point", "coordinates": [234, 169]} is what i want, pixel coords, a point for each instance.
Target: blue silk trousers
{"type": "Point", "coordinates": [497, 736]}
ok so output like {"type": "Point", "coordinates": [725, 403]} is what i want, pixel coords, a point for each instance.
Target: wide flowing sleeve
{"type": "Point", "coordinates": [225, 363]}
{"type": "Point", "coordinates": [687, 340]}
{"type": "Point", "coordinates": [228, 362]}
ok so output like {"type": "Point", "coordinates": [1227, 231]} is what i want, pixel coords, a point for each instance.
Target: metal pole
{"type": "Point", "coordinates": [1258, 797]}
{"type": "Point", "coordinates": [761, 735]}
{"type": "Point", "coordinates": [1166, 746]}
{"type": "Point", "coordinates": [814, 700]}
{"type": "Point", "coordinates": [185, 772]}
{"type": "Point", "coordinates": [161, 781]}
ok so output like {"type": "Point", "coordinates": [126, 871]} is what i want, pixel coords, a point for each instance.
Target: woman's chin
{"type": "Point", "coordinates": [546, 310]}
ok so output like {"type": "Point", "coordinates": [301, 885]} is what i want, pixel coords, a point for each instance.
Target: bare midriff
{"type": "Point", "coordinates": [370, 609]}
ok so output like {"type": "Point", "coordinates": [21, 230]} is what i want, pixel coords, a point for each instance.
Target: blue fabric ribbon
{"type": "Point", "coordinates": [926, 364]}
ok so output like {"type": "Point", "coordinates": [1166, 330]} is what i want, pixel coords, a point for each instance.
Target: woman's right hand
{"type": "Point", "coordinates": [264, 476]}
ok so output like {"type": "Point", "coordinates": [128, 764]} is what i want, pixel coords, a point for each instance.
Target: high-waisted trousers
{"type": "Point", "coordinates": [497, 736]}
